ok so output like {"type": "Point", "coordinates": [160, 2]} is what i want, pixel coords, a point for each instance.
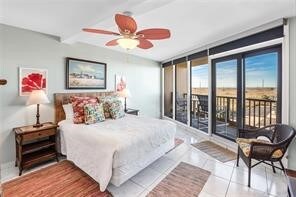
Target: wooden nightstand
{"type": "Point", "coordinates": [35, 145]}
{"type": "Point", "coordinates": [132, 111]}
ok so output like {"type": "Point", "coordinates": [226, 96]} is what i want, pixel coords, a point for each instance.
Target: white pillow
{"type": "Point", "coordinates": [68, 109]}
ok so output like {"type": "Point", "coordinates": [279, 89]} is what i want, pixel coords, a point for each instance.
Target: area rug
{"type": "Point", "coordinates": [184, 181]}
{"type": "Point", "coordinates": [216, 151]}
{"type": "Point", "coordinates": [63, 179]}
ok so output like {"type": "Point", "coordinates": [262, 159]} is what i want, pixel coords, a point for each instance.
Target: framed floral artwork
{"type": "Point", "coordinates": [32, 79]}
{"type": "Point", "coordinates": [120, 83]}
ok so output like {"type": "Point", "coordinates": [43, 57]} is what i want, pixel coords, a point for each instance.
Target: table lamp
{"type": "Point", "coordinates": [37, 97]}
{"type": "Point", "coordinates": [125, 93]}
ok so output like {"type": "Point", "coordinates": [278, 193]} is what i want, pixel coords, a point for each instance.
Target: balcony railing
{"type": "Point", "coordinates": [258, 112]}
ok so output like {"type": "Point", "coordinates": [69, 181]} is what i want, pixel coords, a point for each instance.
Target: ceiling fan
{"type": "Point", "coordinates": [128, 37]}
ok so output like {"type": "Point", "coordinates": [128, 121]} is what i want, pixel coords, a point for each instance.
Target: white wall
{"type": "Point", "coordinates": [292, 104]}
{"type": "Point", "coordinates": [1, 68]}
{"type": "Point", "coordinates": [24, 48]}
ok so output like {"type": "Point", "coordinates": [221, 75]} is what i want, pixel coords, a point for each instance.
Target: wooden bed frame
{"type": "Point", "coordinates": [61, 99]}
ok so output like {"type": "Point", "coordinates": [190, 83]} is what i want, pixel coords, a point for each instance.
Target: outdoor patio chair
{"type": "Point", "coordinates": [203, 109]}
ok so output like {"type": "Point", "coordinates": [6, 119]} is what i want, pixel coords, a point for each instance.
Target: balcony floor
{"type": "Point", "coordinates": [221, 129]}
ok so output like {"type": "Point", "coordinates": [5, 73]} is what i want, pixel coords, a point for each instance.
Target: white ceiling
{"type": "Point", "coordinates": [193, 23]}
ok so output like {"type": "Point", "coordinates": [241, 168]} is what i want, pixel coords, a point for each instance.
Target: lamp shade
{"type": "Point", "coordinates": [125, 93]}
{"type": "Point", "coordinates": [37, 97]}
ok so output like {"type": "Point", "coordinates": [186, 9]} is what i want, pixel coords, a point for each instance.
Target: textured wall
{"type": "Point", "coordinates": [24, 48]}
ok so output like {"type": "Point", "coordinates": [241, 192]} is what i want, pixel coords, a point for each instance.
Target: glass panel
{"type": "Point", "coordinates": [199, 94]}
{"type": "Point", "coordinates": [168, 91]}
{"type": "Point", "coordinates": [261, 90]}
{"type": "Point", "coordinates": [181, 92]}
{"type": "Point", "coordinates": [226, 98]}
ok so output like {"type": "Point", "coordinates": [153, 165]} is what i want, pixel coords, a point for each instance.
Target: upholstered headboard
{"type": "Point", "coordinates": [61, 99]}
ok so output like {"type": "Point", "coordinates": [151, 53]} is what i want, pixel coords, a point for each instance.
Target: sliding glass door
{"type": "Point", "coordinates": [262, 105]}
{"type": "Point", "coordinates": [199, 94]}
{"type": "Point", "coordinates": [226, 116]}
{"type": "Point", "coordinates": [181, 92]}
{"type": "Point", "coordinates": [246, 91]}
{"type": "Point", "coordinates": [168, 91]}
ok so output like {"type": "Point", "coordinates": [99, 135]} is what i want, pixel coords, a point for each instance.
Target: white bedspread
{"type": "Point", "coordinates": [98, 148]}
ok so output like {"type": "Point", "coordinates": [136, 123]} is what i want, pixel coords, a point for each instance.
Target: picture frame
{"type": "Point", "coordinates": [120, 83]}
{"type": "Point", "coordinates": [85, 74]}
{"type": "Point", "coordinates": [32, 79]}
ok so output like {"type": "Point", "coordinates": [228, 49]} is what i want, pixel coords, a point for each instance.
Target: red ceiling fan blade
{"type": "Point", "coordinates": [145, 44]}
{"type": "Point", "coordinates": [155, 33]}
{"type": "Point", "coordinates": [126, 23]}
{"type": "Point", "coordinates": [112, 43]}
{"type": "Point", "coordinates": [99, 31]}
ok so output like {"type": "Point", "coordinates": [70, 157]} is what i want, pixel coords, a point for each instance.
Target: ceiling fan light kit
{"type": "Point", "coordinates": [128, 43]}
{"type": "Point", "coordinates": [129, 38]}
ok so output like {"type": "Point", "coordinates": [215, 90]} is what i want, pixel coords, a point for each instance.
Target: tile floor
{"type": "Point", "coordinates": [226, 179]}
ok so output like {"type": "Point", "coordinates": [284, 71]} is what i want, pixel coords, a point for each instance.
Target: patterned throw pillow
{"type": "Point", "coordinates": [106, 104]}
{"type": "Point", "coordinates": [116, 109]}
{"type": "Point", "coordinates": [93, 113]}
{"type": "Point", "coordinates": [78, 107]}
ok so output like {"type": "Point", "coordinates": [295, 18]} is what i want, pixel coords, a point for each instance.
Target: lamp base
{"type": "Point", "coordinates": [37, 125]}
{"type": "Point", "coordinates": [125, 109]}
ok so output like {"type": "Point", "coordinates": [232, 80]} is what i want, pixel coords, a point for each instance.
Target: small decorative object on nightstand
{"type": "Point", "coordinates": [35, 145]}
{"type": "Point", "coordinates": [132, 111]}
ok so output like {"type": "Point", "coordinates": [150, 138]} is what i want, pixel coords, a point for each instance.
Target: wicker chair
{"type": "Point", "coordinates": [263, 150]}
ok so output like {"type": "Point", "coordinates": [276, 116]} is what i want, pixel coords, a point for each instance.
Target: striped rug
{"type": "Point", "coordinates": [216, 151]}
{"type": "Point", "coordinates": [184, 181]}
{"type": "Point", "coordinates": [63, 179]}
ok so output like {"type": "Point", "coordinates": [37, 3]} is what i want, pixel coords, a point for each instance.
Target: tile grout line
{"type": "Point", "coordinates": [229, 181]}
{"type": "Point", "coordinates": [266, 181]}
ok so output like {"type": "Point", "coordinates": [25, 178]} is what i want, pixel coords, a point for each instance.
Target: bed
{"type": "Point", "coordinates": [113, 150]}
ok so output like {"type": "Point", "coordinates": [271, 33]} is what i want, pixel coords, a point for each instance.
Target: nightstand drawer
{"type": "Point", "coordinates": [38, 135]}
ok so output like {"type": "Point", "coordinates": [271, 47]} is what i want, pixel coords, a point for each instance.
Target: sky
{"type": "Point", "coordinates": [87, 68]}
{"type": "Point", "coordinates": [261, 71]}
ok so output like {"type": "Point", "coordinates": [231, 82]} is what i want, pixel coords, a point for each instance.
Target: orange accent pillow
{"type": "Point", "coordinates": [78, 104]}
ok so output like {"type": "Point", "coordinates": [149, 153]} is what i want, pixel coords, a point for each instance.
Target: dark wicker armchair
{"type": "Point", "coordinates": [263, 150]}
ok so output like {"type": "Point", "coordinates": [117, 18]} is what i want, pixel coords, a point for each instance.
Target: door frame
{"type": "Point", "coordinates": [275, 48]}
{"type": "Point", "coordinates": [240, 57]}
{"type": "Point", "coordinates": [237, 57]}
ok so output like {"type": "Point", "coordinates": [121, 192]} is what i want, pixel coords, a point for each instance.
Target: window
{"type": "Point", "coordinates": [199, 93]}
{"type": "Point", "coordinates": [246, 91]}
{"type": "Point", "coordinates": [168, 91]}
{"type": "Point", "coordinates": [181, 92]}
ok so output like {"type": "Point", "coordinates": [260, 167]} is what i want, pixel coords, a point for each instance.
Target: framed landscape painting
{"type": "Point", "coordinates": [32, 79]}
{"type": "Point", "coordinates": [85, 74]}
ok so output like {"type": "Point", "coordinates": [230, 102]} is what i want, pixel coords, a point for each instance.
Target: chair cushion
{"type": "Point", "coordinates": [245, 145]}
{"type": "Point", "coordinates": [94, 113]}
